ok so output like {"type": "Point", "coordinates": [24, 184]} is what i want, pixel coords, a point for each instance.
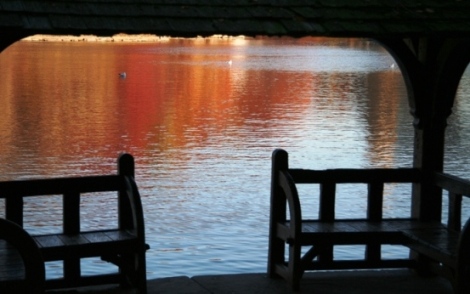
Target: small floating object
{"type": "Point", "coordinates": [230, 62]}
{"type": "Point", "coordinates": [122, 75]}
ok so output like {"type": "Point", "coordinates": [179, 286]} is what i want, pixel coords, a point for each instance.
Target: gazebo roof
{"type": "Point", "coordinates": [187, 18]}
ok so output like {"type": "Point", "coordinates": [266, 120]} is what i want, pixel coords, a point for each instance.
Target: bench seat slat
{"type": "Point", "coordinates": [439, 243]}
{"type": "Point", "coordinates": [102, 249]}
{"type": "Point", "coordinates": [47, 241]}
{"type": "Point", "coordinates": [364, 225]}
{"type": "Point", "coordinates": [86, 244]}
{"type": "Point", "coordinates": [377, 175]}
{"type": "Point", "coordinates": [91, 238]}
{"type": "Point", "coordinates": [97, 237]}
{"type": "Point", "coordinates": [69, 240]}
{"type": "Point", "coordinates": [120, 235]}
{"type": "Point", "coordinates": [356, 231]}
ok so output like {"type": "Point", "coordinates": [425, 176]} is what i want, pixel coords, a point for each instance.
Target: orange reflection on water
{"type": "Point", "coordinates": [63, 101]}
{"type": "Point", "coordinates": [387, 99]}
{"type": "Point", "coordinates": [65, 98]}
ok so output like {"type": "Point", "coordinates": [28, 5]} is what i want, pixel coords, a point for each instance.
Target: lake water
{"type": "Point", "coordinates": [201, 118]}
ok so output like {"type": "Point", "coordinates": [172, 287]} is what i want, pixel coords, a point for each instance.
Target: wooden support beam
{"type": "Point", "coordinates": [432, 69]}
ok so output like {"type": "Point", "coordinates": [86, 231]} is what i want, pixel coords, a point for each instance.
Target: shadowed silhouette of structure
{"type": "Point", "coordinates": [430, 41]}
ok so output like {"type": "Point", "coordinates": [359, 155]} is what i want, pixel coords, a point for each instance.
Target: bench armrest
{"type": "Point", "coordinates": [33, 262]}
{"type": "Point", "coordinates": [135, 205]}
{"type": "Point", "coordinates": [289, 190]}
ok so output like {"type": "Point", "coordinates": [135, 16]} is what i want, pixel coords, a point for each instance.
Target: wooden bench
{"type": "Point", "coordinates": [435, 247]}
{"type": "Point", "coordinates": [123, 246]}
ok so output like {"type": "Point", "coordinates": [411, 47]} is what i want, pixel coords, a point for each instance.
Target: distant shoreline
{"type": "Point", "coordinates": [143, 38]}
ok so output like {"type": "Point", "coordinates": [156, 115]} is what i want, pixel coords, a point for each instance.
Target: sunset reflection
{"type": "Point", "coordinates": [175, 94]}
{"type": "Point", "coordinates": [201, 128]}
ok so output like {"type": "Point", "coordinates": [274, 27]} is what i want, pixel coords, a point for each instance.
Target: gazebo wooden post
{"type": "Point", "coordinates": [429, 157]}
{"type": "Point", "coordinates": [432, 96]}
{"type": "Point", "coordinates": [432, 69]}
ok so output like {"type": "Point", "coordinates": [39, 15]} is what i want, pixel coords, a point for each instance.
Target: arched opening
{"type": "Point", "coordinates": [202, 129]}
{"type": "Point", "coordinates": [456, 159]}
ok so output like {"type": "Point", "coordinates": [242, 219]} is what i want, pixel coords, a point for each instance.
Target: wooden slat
{"type": "Point", "coordinates": [120, 235]}
{"type": "Point", "coordinates": [48, 241]}
{"type": "Point", "coordinates": [71, 213]}
{"type": "Point", "coordinates": [77, 239]}
{"type": "Point", "coordinates": [374, 213]}
{"type": "Point", "coordinates": [60, 186]}
{"type": "Point", "coordinates": [97, 237]}
{"type": "Point", "coordinates": [14, 209]}
{"type": "Point", "coordinates": [327, 201]}
{"type": "Point", "coordinates": [327, 214]}
{"type": "Point", "coordinates": [438, 244]}
{"type": "Point", "coordinates": [375, 201]}
{"type": "Point", "coordinates": [400, 175]}
{"type": "Point", "coordinates": [73, 247]}
{"type": "Point", "coordinates": [358, 225]}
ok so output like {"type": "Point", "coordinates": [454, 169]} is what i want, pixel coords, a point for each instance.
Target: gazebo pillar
{"type": "Point", "coordinates": [432, 69]}
{"type": "Point", "coordinates": [428, 155]}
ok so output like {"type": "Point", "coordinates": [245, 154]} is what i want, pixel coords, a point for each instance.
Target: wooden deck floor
{"type": "Point", "coordinates": [351, 282]}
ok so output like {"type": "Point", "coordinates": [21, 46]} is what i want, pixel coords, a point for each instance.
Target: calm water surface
{"type": "Point", "coordinates": [202, 130]}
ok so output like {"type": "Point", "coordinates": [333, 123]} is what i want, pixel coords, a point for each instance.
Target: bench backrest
{"type": "Point", "coordinates": [286, 178]}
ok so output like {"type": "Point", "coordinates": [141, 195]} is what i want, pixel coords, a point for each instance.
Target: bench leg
{"type": "Point", "coordinates": [425, 266]}
{"type": "Point", "coordinates": [141, 271]}
{"type": "Point", "coordinates": [462, 281]}
{"type": "Point", "coordinates": [133, 270]}
{"type": "Point", "coordinates": [295, 270]}
{"type": "Point", "coordinates": [277, 268]}
{"type": "Point", "coordinates": [275, 256]}
{"type": "Point", "coordinates": [462, 275]}
{"type": "Point", "coordinates": [72, 271]}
